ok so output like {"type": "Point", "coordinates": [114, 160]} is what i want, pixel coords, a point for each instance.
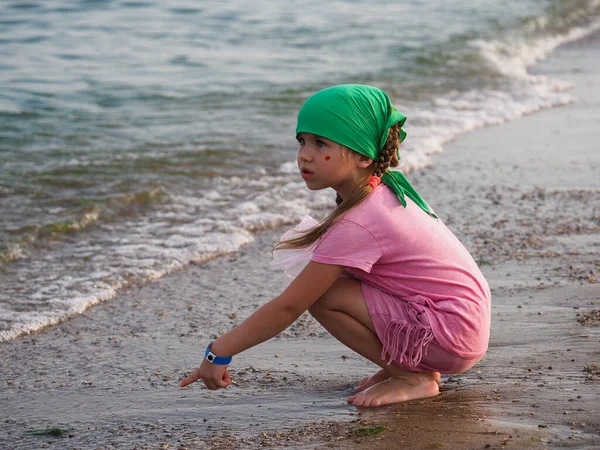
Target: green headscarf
{"type": "Point", "coordinates": [358, 117]}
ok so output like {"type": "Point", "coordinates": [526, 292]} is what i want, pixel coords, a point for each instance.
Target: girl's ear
{"type": "Point", "coordinates": [364, 161]}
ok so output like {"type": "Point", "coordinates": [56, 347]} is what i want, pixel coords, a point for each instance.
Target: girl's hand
{"type": "Point", "coordinates": [215, 376]}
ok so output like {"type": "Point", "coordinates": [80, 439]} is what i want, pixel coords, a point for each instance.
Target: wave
{"type": "Point", "coordinates": [109, 209]}
{"type": "Point", "coordinates": [92, 269]}
{"type": "Point", "coordinates": [447, 116]}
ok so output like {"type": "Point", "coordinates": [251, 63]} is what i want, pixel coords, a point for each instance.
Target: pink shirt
{"type": "Point", "coordinates": [407, 253]}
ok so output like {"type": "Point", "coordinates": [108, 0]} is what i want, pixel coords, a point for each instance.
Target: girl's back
{"type": "Point", "coordinates": [405, 252]}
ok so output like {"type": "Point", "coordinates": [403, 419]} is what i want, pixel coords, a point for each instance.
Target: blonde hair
{"type": "Point", "coordinates": [387, 158]}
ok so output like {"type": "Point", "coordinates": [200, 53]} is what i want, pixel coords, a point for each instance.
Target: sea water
{"type": "Point", "coordinates": [139, 136]}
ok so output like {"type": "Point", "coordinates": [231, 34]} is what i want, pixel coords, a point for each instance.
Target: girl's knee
{"type": "Point", "coordinates": [329, 298]}
{"type": "Point", "coordinates": [327, 301]}
{"type": "Point", "coordinates": [318, 308]}
{"type": "Point", "coordinates": [341, 296]}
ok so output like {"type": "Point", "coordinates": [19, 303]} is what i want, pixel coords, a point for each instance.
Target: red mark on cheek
{"type": "Point", "coordinates": [327, 158]}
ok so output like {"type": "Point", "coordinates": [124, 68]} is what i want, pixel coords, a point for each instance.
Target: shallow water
{"type": "Point", "coordinates": [136, 137]}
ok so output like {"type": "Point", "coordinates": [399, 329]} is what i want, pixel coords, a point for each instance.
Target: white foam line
{"type": "Point", "coordinates": [515, 57]}
{"type": "Point", "coordinates": [459, 113]}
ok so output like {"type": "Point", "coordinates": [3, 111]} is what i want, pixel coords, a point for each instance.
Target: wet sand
{"type": "Point", "coordinates": [525, 199]}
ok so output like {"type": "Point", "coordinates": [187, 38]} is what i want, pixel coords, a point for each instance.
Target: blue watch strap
{"type": "Point", "coordinates": [214, 359]}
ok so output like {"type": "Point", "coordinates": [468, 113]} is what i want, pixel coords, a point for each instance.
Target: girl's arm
{"type": "Point", "coordinates": [268, 321]}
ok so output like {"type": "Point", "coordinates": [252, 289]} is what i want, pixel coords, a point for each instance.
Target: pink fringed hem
{"type": "Point", "coordinates": [409, 352]}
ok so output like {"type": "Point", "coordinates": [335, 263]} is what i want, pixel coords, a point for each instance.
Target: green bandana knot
{"type": "Point", "coordinates": [359, 117]}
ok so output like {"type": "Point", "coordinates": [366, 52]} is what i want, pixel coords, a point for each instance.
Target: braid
{"type": "Point", "coordinates": [389, 154]}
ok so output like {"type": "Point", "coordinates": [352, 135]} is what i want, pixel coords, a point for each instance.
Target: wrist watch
{"type": "Point", "coordinates": [214, 359]}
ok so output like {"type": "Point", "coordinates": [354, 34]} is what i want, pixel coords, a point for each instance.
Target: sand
{"type": "Point", "coordinates": [525, 199]}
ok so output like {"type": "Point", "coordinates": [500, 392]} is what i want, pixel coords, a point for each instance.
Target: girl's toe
{"type": "Point", "coordinates": [356, 400]}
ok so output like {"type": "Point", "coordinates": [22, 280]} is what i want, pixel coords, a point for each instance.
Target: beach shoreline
{"type": "Point", "coordinates": [522, 196]}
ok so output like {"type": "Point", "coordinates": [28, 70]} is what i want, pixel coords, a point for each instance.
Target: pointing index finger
{"type": "Point", "coordinates": [189, 380]}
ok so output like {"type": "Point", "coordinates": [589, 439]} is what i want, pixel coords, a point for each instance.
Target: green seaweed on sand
{"type": "Point", "coordinates": [368, 431]}
{"type": "Point", "coordinates": [56, 432]}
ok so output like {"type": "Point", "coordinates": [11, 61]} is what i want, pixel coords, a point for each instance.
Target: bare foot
{"type": "Point", "coordinates": [396, 390]}
{"type": "Point", "coordinates": [372, 380]}
{"type": "Point", "coordinates": [383, 375]}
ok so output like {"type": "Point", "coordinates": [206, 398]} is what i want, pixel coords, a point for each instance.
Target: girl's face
{"type": "Point", "coordinates": [324, 163]}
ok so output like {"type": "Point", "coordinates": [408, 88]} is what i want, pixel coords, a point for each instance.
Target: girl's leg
{"type": "Point", "coordinates": [370, 380]}
{"type": "Point", "coordinates": [343, 312]}
{"type": "Point", "coordinates": [382, 375]}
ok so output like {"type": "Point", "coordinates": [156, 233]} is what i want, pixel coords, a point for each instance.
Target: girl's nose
{"type": "Point", "coordinates": [304, 155]}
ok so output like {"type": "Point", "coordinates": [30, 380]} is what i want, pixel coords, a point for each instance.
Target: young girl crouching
{"type": "Point", "coordinates": [387, 278]}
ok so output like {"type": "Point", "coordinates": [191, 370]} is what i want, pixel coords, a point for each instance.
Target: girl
{"type": "Point", "coordinates": [387, 277]}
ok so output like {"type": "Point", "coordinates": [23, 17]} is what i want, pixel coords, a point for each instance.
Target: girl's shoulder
{"type": "Point", "coordinates": [379, 204]}
{"type": "Point", "coordinates": [382, 214]}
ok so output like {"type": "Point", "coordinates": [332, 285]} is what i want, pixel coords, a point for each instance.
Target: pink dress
{"type": "Point", "coordinates": [428, 300]}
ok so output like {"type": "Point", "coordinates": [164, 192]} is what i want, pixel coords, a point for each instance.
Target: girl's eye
{"type": "Point", "coordinates": [301, 142]}
{"type": "Point", "coordinates": [320, 143]}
